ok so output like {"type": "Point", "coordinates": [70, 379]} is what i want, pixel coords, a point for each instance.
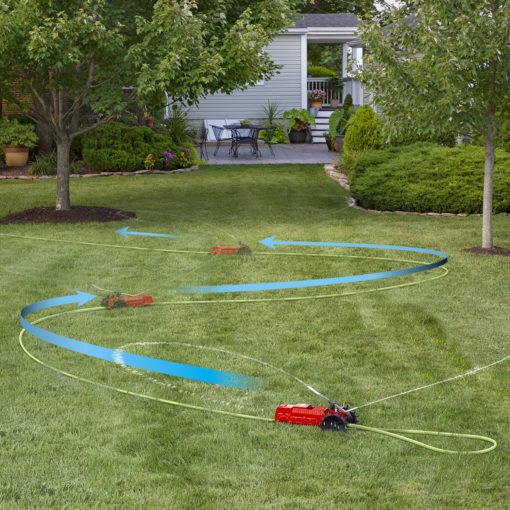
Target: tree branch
{"type": "Point", "coordinates": [90, 78]}
{"type": "Point", "coordinates": [108, 80]}
{"type": "Point", "coordinates": [104, 120]}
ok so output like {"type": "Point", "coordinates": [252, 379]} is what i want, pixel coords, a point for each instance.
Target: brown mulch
{"type": "Point", "coordinates": [495, 250]}
{"type": "Point", "coordinates": [77, 214]}
{"type": "Point", "coordinates": [14, 170]}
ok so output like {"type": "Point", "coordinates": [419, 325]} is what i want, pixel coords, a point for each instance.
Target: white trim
{"type": "Point", "coordinates": [294, 31]}
{"type": "Point", "coordinates": [304, 71]}
{"type": "Point", "coordinates": [325, 34]}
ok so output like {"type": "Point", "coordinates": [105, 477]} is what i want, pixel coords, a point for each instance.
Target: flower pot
{"type": "Point", "coordinates": [339, 142]}
{"type": "Point", "coordinates": [316, 104]}
{"type": "Point", "coordinates": [334, 103]}
{"type": "Point", "coordinates": [297, 136]}
{"type": "Point", "coordinates": [16, 155]}
{"type": "Point", "coordinates": [149, 121]}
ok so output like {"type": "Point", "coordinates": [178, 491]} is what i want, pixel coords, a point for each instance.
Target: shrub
{"type": "Point", "coordinates": [347, 161]}
{"type": "Point", "coordinates": [13, 132]}
{"type": "Point", "coordinates": [424, 177]}
{"type": "Point", "coordinates": [46, 164]}
{"type": "Point", "coordinates": [116, 147]}
{"type": "Point", "coordinates": [280, 135]}
{"type": "Point", "coordinates": [321, 72]}
{"type": "Point", "coordinates": [448, 139]}
{"type": "Point", "coordinates": [363, 131]}
{"type": "Point", "coordinates": [177, 126]}
{"type": "Point", "coordinates": [347, 102]}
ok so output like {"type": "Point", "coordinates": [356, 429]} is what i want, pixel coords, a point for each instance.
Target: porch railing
{"type": "Point", "coordinates": [349, 86]}
{"type": "Point", "coordinates": [327, 86]}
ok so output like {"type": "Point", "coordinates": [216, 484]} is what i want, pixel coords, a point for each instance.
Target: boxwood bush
{"type": "Point", "coordinates": [424, 177]}
{"type": "Point", "coordinates": [120, 148]}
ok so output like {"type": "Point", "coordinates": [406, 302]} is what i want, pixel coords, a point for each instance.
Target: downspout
{"type": "Point", "coordinates": [304, 71]}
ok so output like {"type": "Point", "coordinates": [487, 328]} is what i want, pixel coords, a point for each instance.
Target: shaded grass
{"type": "Point", "coordinates": [67, 444]}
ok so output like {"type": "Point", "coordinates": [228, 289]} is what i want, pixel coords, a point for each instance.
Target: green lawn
{"type": "Point", "coordinates": [68, 444]}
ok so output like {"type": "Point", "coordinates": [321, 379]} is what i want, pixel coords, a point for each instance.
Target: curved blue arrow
{"type": "Point", "coordinates": [133, 360]}
{"type": "Point", "coordinates": [270, 242]}
{"type": "Point", "coordinates": [124, 232]}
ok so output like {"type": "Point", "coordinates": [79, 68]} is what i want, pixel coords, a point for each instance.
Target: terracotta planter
{"type": "Point", "coordinates": [316, 104]}
{"type": "Point", "coordinates": [16, 155]}
{"type": "Point", "coordinates": [149, 121]}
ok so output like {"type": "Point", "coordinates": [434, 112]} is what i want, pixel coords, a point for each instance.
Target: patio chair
{"type": "Point", "coordinates": [201, 141]}
{"type": "Point", "coordinates": [221, 137]}
{"type": "Point", "coordinates": [245, 137]}
{"type": "Point", "coordinates": [268, 136]}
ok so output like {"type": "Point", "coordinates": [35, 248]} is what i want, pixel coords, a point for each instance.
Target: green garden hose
{"type": "Point", "coordinates": [394, 433]}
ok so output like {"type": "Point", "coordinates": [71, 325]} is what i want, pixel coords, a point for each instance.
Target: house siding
{"type": "Point", "coordinates": [283, 89]}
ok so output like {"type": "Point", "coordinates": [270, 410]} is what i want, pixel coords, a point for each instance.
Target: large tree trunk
{"type": "Point", "coordinates": [63, 152]}
{"type": "Point", "coordinates": [43, 130]}
{"type": "Point", "coordinates": [487, 190]}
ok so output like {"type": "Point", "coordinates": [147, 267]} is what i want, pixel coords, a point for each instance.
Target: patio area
{"type": "Point", "coordinates": [284, 153]}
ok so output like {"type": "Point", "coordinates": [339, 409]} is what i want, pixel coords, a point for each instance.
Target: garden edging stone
{"type": "Point", "coordinates": [101, 174]}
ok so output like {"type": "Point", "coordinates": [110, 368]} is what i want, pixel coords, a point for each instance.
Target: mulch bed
{"type": "Point", "coordinates": [495, 250]}
{"type": "Point", "coordinates": [77, 214]}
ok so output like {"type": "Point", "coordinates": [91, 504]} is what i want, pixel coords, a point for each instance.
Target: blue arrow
{"type": "Point", "coordinates": [80, 298]}
{"type": "Point", "coordinates": [270, 242]}
{"type": "Point", "coordinates": [133, 360]}
{"type": "Point", "coordinates": [124, 232]}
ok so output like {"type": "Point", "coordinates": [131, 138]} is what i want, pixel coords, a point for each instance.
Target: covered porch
{"type": "Point", "coordinates": [338, 29]}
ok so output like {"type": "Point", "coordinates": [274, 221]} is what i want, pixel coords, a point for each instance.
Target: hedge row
{"type": "Point", "coordinates": [117, 147]}
{"type": "Point", "coordinates": [424, 177]}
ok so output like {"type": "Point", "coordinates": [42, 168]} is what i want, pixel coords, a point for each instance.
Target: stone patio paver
{"type": "Point", "coordinates": [306, 153]}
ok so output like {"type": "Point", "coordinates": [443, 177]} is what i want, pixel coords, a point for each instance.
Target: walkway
{"type": "Point", "coordinates": [284, 153]}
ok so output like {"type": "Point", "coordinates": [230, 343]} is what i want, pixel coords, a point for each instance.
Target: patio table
{"type": "Point", "coordinates": [248, 135]}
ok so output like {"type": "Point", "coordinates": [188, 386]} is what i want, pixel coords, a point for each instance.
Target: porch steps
{"type": "Point", "coordinates": [321, 125]}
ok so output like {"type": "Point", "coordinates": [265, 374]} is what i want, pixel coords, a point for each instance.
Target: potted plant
{"type": "Point", "coordinates": [316, 97]}
{"type": "Point", "coordinates": [300, 124]}
{"type": "Point", "coordinates": [149, 120]}
{"type": "Point", "coordinates": [335, 86]}
{"type": "Point", "coordinates": [338, 125]}
{"type": "Point", "coordinates": [16, 139]}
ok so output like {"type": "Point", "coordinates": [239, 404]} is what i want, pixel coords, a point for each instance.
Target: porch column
{"type": "Point", "coordinates": [345, 74]}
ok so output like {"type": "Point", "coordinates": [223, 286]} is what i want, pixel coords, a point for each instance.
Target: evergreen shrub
{"type": "Point", "coordinates": [120, 148]}
{"type": "Point", "coordinates": [363, 131]}
{"type": "Point", "coordinates": [425, 177]}
{"type": "Point", "coordinates": [321, 72]}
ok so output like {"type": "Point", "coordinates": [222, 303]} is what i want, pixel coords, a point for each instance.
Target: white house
{"type": "Point", "coordinates": [289, 88]}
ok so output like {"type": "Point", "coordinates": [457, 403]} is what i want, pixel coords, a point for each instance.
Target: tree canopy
{"type": "Point", "coordinates": [79, 54]}
{"type": "Point", "coordinates": [444, 68]}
